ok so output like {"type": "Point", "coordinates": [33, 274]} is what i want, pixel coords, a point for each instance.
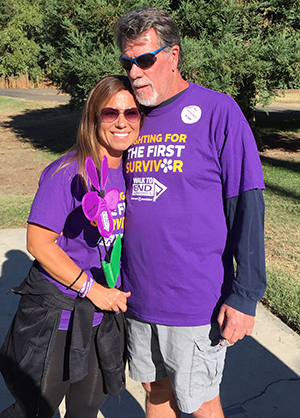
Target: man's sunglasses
{"type": "Point", "coordinates": [110, 114]}
{"type": "Point", "coordinates": [142, 61]}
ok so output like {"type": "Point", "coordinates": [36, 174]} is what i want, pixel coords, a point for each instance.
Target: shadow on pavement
{"type": "Point", "coordinates": [124, 406]}
{"type": "Point", "coordinates": [257, 384]}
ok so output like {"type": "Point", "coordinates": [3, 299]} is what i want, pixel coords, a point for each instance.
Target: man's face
{"type": "Point", "coordinates": [154, 84]}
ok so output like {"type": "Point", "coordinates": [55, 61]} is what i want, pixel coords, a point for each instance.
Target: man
{"type": "Point", "coordinates": [194, 202]}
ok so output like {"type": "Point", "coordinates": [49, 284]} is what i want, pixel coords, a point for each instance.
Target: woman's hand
{"type": "Point", "coordinates": [108, 299]}
{"type": "Point", "coordinates": [41, 243]}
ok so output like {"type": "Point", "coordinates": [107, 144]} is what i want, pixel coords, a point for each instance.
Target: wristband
{"type": "Point", "coordinates": [83, 291]}
{"type": "Point", "coordinates": [77, 278]}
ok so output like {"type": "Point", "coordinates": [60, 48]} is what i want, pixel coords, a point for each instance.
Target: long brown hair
{"type": "Point", "coordinates": [86, 141]}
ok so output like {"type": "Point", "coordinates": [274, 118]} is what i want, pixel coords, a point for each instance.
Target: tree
{"type": "Point", "coordinates": [78, 44]}
{"type": "Point", "coordinates": [20, 25]}
{"type": "Point", "coordinates": [245, 48]}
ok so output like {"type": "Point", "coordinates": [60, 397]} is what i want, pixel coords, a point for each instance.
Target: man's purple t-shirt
{"type": "Point", "coordinates": [57, 206]}
{"type": "Point", "coordinates": [191, 155]}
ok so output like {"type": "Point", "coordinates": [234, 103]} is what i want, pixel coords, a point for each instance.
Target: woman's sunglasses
{"type": "Point", "coordinates": [110, 114]}
{"type": "Point", "coordinates": [142, 61]}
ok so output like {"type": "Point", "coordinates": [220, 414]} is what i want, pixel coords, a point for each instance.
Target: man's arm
{"type": "Point", "coordinates": [245, 221]}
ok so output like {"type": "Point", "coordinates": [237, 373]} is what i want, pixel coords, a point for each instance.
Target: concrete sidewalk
{"type": "Point", "coordinates": [262, 372]}
{"type": "Point", "coordinates": [41, 95]}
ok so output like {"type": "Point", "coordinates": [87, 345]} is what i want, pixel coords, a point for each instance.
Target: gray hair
{"type": "Point", "coordinates": [135, 22]}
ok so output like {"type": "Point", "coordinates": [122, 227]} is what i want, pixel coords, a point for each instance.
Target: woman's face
{"type": "Point", "coordinates": [115, 137]}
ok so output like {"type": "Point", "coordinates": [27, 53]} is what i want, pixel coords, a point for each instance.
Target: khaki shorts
{"type": "Point", "coordinates": [190, 356]}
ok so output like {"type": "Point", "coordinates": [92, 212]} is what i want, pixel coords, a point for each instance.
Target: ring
{"type": "Point", "coordinates": [225, 343]}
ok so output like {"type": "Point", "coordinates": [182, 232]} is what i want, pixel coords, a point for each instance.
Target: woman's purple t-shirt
{"type": "Point", "coordinates": [57, 206]}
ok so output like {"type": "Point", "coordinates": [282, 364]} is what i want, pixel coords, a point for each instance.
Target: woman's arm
{"type": "Point", "coordinates": [41, 243]}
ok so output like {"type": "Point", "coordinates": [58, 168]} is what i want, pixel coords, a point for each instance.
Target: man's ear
{"type": "Point", "coordinates": [175, 56]}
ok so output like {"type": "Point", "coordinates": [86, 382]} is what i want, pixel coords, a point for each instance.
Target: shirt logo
{"type": "Point", "coordinates": [147, 188]}
{"type": "Point", "coordinates": [191, 114]}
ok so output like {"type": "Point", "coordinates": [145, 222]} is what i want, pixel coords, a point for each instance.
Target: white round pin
{"type": "Point", "coordinates": [191, 114]}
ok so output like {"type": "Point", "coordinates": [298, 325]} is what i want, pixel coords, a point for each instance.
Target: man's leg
{"type": "Point", "coordinates": [195, 362]}
{"type": "Point", "coordinates": [193, 349]}
{"type": "Point", "coordinates": [160, 400]}
{"type": "Point", "coordinates": [210, 409]}
{"type": "Point", "coordinates": [146, 365]}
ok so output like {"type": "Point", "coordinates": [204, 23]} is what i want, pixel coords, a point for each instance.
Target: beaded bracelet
{"type": "Point", "coordinates": [83, 291]}
{"type": "Point", "coordinates": [77, 278]}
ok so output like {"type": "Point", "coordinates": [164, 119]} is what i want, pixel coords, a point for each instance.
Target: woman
{"type": "Point", "coordinates": [66, 338]}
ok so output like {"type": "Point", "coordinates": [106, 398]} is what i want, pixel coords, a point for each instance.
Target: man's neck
{"type": "Point", "coordinates": [166, 102]}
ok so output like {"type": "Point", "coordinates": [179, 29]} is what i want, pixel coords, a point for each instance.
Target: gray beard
{"type": "Point", "coordinates": [147, 102]}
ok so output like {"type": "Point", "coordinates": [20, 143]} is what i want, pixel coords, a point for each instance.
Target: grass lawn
{"type": "Point", "coordinates": [14, 210]}
{"type": "Point", "coordinates": [281, 167]}
{"type": "Point", "coordinates": [282, 238]}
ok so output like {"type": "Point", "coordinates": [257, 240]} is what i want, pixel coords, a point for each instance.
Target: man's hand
{"type": "Point", "coordinates": [234, 324]}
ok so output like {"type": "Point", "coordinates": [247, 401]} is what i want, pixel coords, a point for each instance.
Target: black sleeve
{"type": "Point", "coordinates": [245, 222]}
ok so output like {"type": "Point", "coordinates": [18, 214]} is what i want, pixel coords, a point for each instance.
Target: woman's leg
{"type": "Point", "coordinates": [55, 385]}
{"type": "Point", "coordinates": [84, 398]}
{"type": "Point", "coordinates": [56, 382]}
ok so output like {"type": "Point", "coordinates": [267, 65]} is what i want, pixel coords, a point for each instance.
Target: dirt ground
{"type": "Point", "coordinates": [24, 135]}
{"type": "Point", "coordinates": [20, 165]}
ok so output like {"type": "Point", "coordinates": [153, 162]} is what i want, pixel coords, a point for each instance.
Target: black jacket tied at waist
{"type": "Point", "coordinates": [27, 348]}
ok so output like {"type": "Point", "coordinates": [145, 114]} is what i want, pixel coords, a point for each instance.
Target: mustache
{"type": "Point", "coordinates": [140, 83]}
